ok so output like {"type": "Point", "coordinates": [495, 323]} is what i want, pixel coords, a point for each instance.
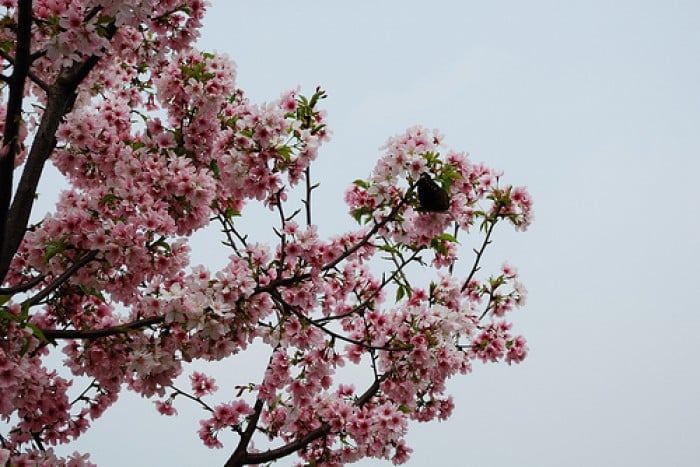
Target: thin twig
{"type": "Point", "coordinates": [480, 252]}
{"type": "Point", "coordinates": [399, 270]}
{"type": "Point", "coordinates": [454, 260]}
{"type": "Point", "coordinates": [293, 310]}
{"type": "Point", "coordinates": [191, 397]}
{"type": "Point", "coordinates": [301, 277]}
{"type": "Point", "coordinates": [307, 201]}
{"type": "Point", "coordinates": [365, 302]}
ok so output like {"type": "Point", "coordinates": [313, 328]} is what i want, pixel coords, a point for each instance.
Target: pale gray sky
{"type": "Point", "coordinates": [595, 106]}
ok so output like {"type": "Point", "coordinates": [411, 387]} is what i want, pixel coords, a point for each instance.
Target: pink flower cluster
{"type": "Point", "coordinates": [45, 458]}
{"type": "Point", "coordinates": [476, 195]}
{"type": "Point", "coordinates": [158, 142]}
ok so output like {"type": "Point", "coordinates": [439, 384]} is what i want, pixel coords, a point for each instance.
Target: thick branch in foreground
{"type": "Point", "coordinates": [10, 137]}
{"type": "Point", "coordinates": [60, 99]}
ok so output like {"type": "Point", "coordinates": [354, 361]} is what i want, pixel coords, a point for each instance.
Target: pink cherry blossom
{"type": "Point", "coordinates": [157, 143]}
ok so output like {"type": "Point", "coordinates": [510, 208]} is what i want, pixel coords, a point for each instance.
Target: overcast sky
{"type": "Point", "coordinates": [595, 106]}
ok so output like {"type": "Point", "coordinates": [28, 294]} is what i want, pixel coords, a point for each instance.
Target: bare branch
{"type": "Point", "coordinates": [309, 189]}
{"type": "Point", "coordinates": [198, 400]}
{"type": "Point", "coordinates": [480, 252]}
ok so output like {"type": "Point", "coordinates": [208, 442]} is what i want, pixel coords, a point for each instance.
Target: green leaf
{"type": "Point", "coordinates": [314, 100]}
{"type": "Point", "coordinates": [7, 316]}
{"type": "Point", "coordinates": [4, 299]}
{"type": "Point", "coordinates": [92, 292]}
{"type": "Point", "coordinates": [53, 248]}
{"type": "Point", "coordinates": [359, 213]}
{"type": "Point", "coordinates": [361, 183]}
{"type": "Point", "coordinates": [432, 158]}
{"type": "Point", "coordinates": [136, 145]}
{"type": "Point", "coordinates": [24, 314]}
{"type": "Point", "coordinates": [387, 248]}
{"type": "Point", "coordinates": [108, 198]}
{"type": "Point", "coordinates": [318, 128]}
{"type": "Point", "coordinates": [162, 243]}
{"type": "Point", "coordinates": [400, 292]}
{"type": "Point", "coordinates": [286, 152]}
{"type": "Point", "coordinates": [432, 288]}
{"type": "Point", "coordinates": [214, 166]}
{"type": "Point", "coordinates": [447, 238]}
{"type": "Point", "coordinates": [230, 213]}
{"type": "Point", "coordinates": [37, 332]}
{"type": "Point", "coordinates": [437, 245]}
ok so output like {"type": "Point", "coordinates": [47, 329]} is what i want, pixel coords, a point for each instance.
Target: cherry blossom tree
{"type": "Point", "coordinates": [156, 142]}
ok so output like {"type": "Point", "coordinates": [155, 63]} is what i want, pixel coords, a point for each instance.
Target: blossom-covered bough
{"type": "Point", "coordinates": [156, 142]}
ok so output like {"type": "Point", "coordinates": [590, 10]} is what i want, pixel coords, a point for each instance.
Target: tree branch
{"type": "Point", "coordinates": [364, 303]}
{"type": "Point", "coordinates": [22, 287]}
{"type": "Point", "coordinates": [38, 81]}
{"type": "Point", "coordinates": [10, 137]}
{"type": "Point", "coordinates": [378, 225]}
{"type": "Point", "coordinates": [92, 334]}
{"type": "Point", "coordinates": [60, 279]}
{"type": "Point", "coordinates": [60, 99]}
{"type": "Point", "coordinates": [287, 449]}
{"type": "Point", "coordinates": [309, 189]}
{"type": "Point", "coordinates": [480, 252]}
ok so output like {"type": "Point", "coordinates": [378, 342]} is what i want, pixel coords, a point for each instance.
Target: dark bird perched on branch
{"type": "Point", "coordinates": [432, 197]}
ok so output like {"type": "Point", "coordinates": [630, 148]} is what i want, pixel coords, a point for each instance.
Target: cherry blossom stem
{"type": "Point", "coordinates": [81, 396]}
{"type": "Point", "coordinates": [309, 189]}
{"type": "Point", "coordinates": [228, 229]}
{"type": "Point", "coordinates": [454, 260]}
{"type": "Point", "coordinates": [480, 252]}
{"type": "Point", "coordinates": [400, 265]}
{"type": "Point", "coordinates": [191, 397]}
{"type": "Point", "coordinates": [241, 456]}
